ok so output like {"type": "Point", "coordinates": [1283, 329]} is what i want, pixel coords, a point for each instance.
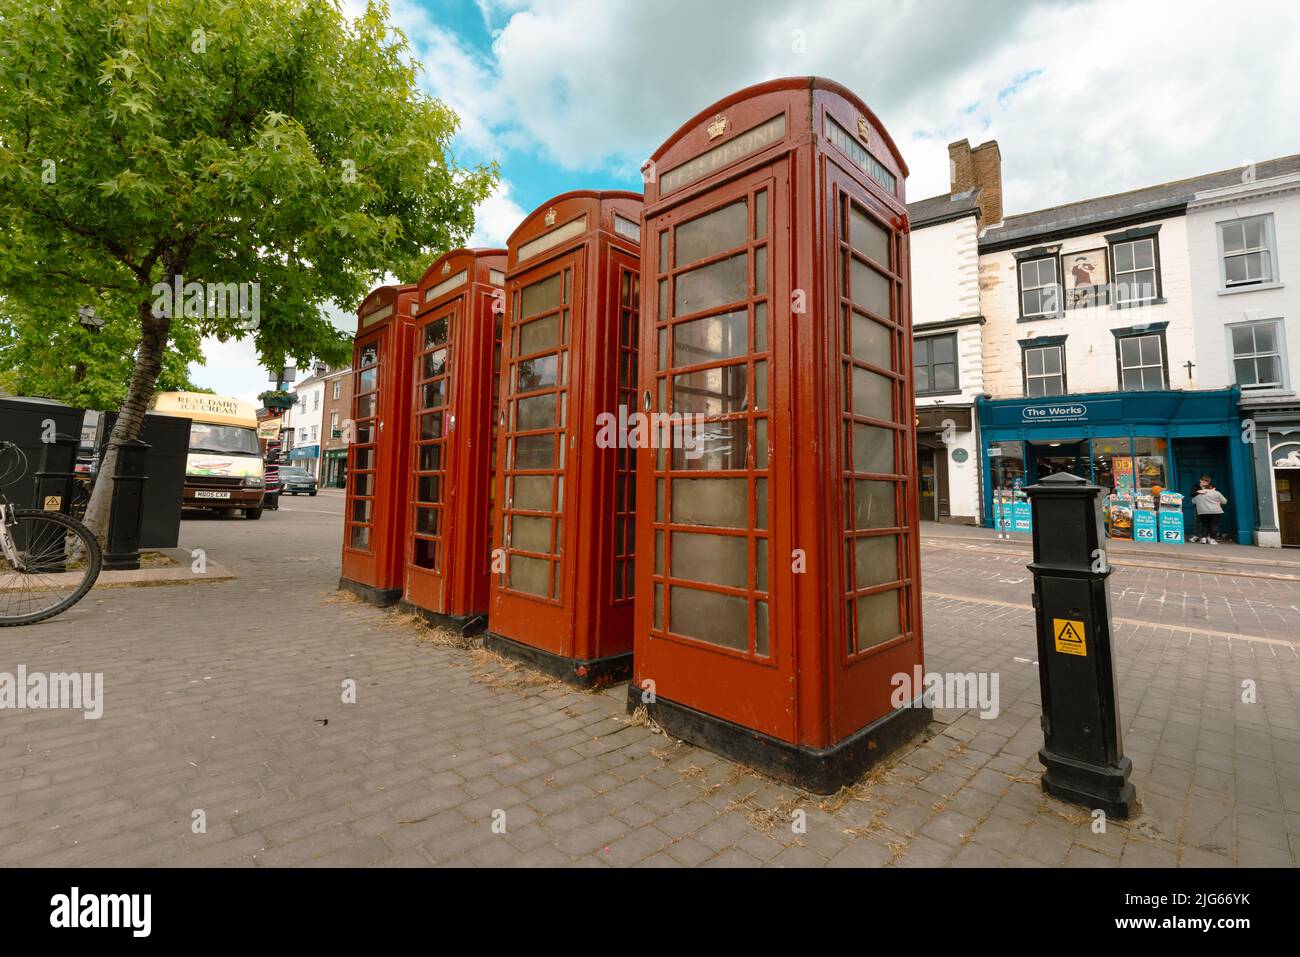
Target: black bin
{"type": "Point", "coordinates": [25, 422]}
{"type": "Point", "coordinates": [168, 437]}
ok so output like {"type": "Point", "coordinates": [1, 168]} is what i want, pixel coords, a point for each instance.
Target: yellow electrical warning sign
{"type": "Point", "coordinates": [1070, 637]}
{"type": "Point", "coordinates": [53, 503]}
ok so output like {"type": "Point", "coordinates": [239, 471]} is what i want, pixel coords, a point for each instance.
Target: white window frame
{"type": "Point", "coordinates": [1142, 367]}
{"type": "Point", "coordinates": [1269, 249]}
{"type": "Point", "coordinates": [1279, 344]}
{"type": "Point", "coordinates": [1116, 273]}
{"type": "Point", "coordinates": [336, 390]}
{"type": "Point", "coordinates": [1054, 284]}
{"type": "Point", "coordinates": [1060, 350]}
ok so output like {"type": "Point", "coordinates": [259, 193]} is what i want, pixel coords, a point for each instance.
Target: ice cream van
{"type": "Point", "coordinates": [224, 467]}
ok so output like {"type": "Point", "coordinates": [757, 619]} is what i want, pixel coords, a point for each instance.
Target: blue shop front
{"type": "Point", "coordinates": [1148, 450]}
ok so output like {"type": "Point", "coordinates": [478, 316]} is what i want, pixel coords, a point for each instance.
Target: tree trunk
{"type": "Point", "coordinates": [155, 331]}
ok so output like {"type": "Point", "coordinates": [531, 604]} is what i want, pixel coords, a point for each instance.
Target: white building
{"type": "Point", "coordinates": [1091, 360]}
{"type": "Point", "coordinates": [304, 420]}
{"type": "Point", "coordinates": [947, 358]}
{"type": "Point", "coordinates": [1244, 249]}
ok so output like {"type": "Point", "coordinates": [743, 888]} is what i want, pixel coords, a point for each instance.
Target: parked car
{"type": "Point", "coordinates": [294, 480]}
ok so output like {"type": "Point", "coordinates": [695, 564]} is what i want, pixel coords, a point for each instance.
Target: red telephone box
{"type": "Point", "coordinates": [779, 591]}
{"type": "Point", "coordinates": [457, 361]}
{"type": "Point", "coordinates": [562, 582]}
{"type": "Point", "coordinates": [375, 507]}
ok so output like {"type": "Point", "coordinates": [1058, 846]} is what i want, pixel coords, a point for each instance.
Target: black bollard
{"type": "Point", "coordinates": [126, 511]}
{"type": "Point", "coordinates": [1082, 747]}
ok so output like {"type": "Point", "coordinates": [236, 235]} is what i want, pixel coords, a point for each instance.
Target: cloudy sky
{"type": "Point", "coordinates": [1085, 98]}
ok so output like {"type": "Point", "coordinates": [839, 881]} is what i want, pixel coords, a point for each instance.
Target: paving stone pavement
{"type": "Point", "coordinates": [227, 699]}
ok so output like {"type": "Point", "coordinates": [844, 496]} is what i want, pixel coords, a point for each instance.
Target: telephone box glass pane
{"type": "Point", "coordinates": [714, 285]}
{"type": "Point", "coordinates": [538, 335]}
{"type": "Point", "coordinates": [534, 452]}
{"type": "Point", "coordinates": [533, 492]}
{"type": "Point", "coordinates": [872, 342]}
{"type": "Point", "coordinates": [873, 394]}
{"type": "Point", "coordinates": [874, 504]}
{"type": "Point", "coordinates": [541, 296]}
{"type": "Point", "coordinates": [867, 237]}
{"type": "Point", "coordinates": [719, 447]}
{"type": "Point", "coordinates": [715, 559]}
{"type": "Point", "coordinates": [712, 339]}
{"type": "Point", "coordinates": [531, 575]}
{"type": "Point", "coordinates": [538, 373]}
{"type": "Point", "coordinates": [530, 534]}
{"type": "Point", "coordinates": [720, 502]}
{"type": "Point", "coordinates": [869, 289]}
{"type": "Point", "coordinates": [877, 618]}
{"type": "Point", "coordinates": [709, 616]}
{"type": "Point", "coordinates": [876, 560]}
{"type": "Point", "coordinates": [431, 425]}
{"type": "Point", "coordinates": [717, 391]}
{"type": "Point", "coordinates": [712, 233]}
{"type": "Point", "coordinates": [873, 449]}
{"type": "Point", "coordinates": [535, 413]}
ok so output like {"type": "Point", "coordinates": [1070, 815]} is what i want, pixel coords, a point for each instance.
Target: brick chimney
{"type": "Point", "coordinates": [980, 168]}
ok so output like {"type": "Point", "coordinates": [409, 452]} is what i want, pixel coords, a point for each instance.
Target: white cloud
{"type": "Point", "coordinates": [1128, 94]}
{"type": "Point", "coordinates": [496, 218]}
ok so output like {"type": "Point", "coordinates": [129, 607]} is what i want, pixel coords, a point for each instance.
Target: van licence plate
{"type": "Point", "coordinates": [209, 493]}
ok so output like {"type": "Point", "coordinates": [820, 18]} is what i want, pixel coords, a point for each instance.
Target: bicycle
{"type": "Point", "coordinates": [48, 560]}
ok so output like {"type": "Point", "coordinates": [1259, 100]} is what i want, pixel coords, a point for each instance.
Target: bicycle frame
{"type": "Point", "coordinates": [8, 519]}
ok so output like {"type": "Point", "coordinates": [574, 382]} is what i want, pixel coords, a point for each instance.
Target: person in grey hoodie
{"type": "Point", "coordinates": [1209, 503]}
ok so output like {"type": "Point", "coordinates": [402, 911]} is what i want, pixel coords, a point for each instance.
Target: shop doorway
{"type": "Point", "coordinates": [933, 468]}
{"type": "Point", "coordinates": [1048, 458]}
{"type": "Point", "coordinates": [1206, 456]}
{"type": "Point", "coordinates": [1288, 505]}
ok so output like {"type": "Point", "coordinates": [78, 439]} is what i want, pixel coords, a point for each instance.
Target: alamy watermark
{"type": "Point", "coordinates": [652, 430]}
{"type": "Point", "coordinates": [59, 690]}
{"type": "Point", "coordinates": [213, 300]}
{"type": "Point", "coordinates": [948, 690]}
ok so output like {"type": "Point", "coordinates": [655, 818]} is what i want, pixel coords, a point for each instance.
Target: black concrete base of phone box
{"type": "Point", "coordinates": [383, 597]}
{"type": "Point", "coordinates": [464, 625]}
{"type": "Point", "coordinates": [822, 771]}
{"type": "Point", "coordinates": [591, 673]}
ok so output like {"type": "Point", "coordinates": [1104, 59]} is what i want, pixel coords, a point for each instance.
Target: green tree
{"type": "Point", "coordinates": [45, 351]}
{"type": "Point", "coordinates": [267, 145]}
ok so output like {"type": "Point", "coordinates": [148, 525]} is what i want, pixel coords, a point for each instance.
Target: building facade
{"type": "Point", "coordinates": [947, 354]}
{"type": "Point", "coordinates": [1244, 250]}
{"type": "Point", "coordinates": [337, 387]}
{"type": "Point", "coordinates": [304, 418]}
{"type": "Point", "coordinates": [1090, 361]}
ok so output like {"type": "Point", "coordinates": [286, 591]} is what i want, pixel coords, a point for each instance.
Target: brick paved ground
{"type": "Point", "coordinates": [226, 698]}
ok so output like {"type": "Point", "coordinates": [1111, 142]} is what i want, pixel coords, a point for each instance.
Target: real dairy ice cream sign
{"type": "Point", "coordinates": [1065, 412]}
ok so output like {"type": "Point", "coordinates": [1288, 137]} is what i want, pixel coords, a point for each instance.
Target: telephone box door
{"type": "Point", "coordinates": [880, 601]}
{"type": "Point", "coordinates": [720, 342]}
{"type": "Point", "coordinates": [364, 525]}
{"type": "Point", "coordinates": [438, 358]}
{"type": "Point", "coordinates": [538, 459]}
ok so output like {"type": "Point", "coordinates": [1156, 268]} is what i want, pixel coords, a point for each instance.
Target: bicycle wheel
{"type": "Point", "coordinates": [58, 562]}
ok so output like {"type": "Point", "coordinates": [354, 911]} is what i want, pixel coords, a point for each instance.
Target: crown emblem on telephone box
{"type": "Point", "coordinates": [717, 127]}
{"type": "Point", "coordinates": [549, 218]}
